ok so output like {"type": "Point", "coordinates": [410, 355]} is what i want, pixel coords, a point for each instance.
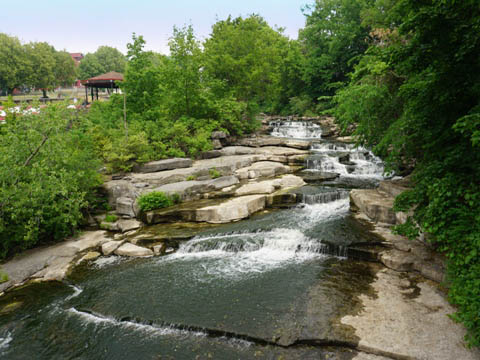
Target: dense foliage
{"type": "Point", "coordinates": [104, 60]}
{"type": "Point", "coordinates": [404, 73]}
{"type": "Point", "coordinates": [415, 97]}
{"type": "Point", "coordinates": [36, 65]}
{"type": "Point", "coordinates": [47, 173]}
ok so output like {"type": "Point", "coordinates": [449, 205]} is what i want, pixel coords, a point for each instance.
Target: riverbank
{"type": "Point", "coordinates": [313, 279]}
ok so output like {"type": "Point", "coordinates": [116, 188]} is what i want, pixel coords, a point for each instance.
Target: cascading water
{"type": "Point", "coordinates": [295, 129]}
{"type": "Point", "coordinates": [345, 160]}
{"type": "Point", "coordinates": [225, 294]}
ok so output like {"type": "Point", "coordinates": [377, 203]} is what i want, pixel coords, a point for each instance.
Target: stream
{"type": "Point", "coordinates": [259, 288]}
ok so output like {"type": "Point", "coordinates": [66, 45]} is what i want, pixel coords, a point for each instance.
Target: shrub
{"type": "Point", "coordinates": [214, 173]}
{"type": "Point", "coordinates": [111, 218]}
{"type": "Point", "coordinates": [48, 173]}
{"type": "Point", "coordinates": [157, 200]}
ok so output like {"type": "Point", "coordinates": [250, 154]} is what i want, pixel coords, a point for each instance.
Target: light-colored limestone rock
{"type": "Point", "coordinates": [110, 226]}
{"type": "Point", "coordinates": [269, 186]}
{"type": "Point", "coordinates": [124, 206]}
{"type": "Point", "coordinates": [119, 188]}
{"type": "Point", "coordinates": [262, 169]}
{"type": "Point", "coordinates": [109, 247]}
{"type": "Point", "coordinates": [91, 255]}
{"type": "Point", "coordinates": [376, 206]}
{"type": "Point", "coordinates": [263, 187]}
{"type": "Point", "coordinates": [128, 224]}
{"type": "Point", "coordinates": [193, 189]}
{"type": "Point", "coordinates": [291, 181]}
{"type": "Point", "coordinates": [128, 249]}
{"type": "Point", "coordinates": [162, 165]}
{"type": "Point", "coordinates": [399, 324]}
{"type": "Point", "coordinates": [231, 210]}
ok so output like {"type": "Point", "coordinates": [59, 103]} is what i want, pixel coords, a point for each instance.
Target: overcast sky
{"type": "Point", "coordinates": [83, 26]}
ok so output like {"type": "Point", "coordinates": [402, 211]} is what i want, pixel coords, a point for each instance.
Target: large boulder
{"type": "Point", "coordinates": [125, 225]}
{"type": "Point", "coordinates": [109, 247]}
{"type": "Point", "coordinates": [392, 188]}
{"type": "Point", "coordinates": [262, 187]}
{"type": "Point", "coordinates": [274, 141]}
{"type": "Point", "coordinates": [262, 169]}
{"type": "Point", "coordinates": [376, 206]}
{"type": "Point", "coordinates": [193, 189]}
{"type": "Point", "coordinates": [162, 165]}
{"type": "Point", "coordinates": [317, 176]}
{"type": "Point", "coordinates": [125, 206]}
{"type": "Point", "coordinates": [119, 189]}
{"type": "Point", "coordinates": [231, 210]}
{"type": "Point", "coordinates": [128, 249]}
{"type": "Point", "coordinates": [269, 186]}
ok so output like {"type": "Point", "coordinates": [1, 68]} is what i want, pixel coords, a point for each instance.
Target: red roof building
{"type": "Point", "coordinates": [77, 57]}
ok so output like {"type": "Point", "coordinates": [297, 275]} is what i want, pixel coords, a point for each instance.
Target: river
{"type": "Point", "coordinates": [265, 287]}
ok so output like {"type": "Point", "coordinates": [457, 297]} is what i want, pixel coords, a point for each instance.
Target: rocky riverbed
{"type": "Point", "coordinates": [254, 263]}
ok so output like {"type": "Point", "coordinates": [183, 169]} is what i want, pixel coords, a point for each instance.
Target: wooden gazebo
{"type": "Point", "coordinates": [104, 81]}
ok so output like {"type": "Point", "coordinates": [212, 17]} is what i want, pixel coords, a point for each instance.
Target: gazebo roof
{"type": "Point", "coordinates": [104, 80]}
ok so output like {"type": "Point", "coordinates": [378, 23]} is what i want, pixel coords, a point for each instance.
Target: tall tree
{"type": "Point", "coordinates": [246, 55]}
{"type": "Point", "coordinates": [183, 73]}
{"type": "Point", "coordinates": [14, 65]}
{"type": "Point", "coordinates": [42, 57]}
{"type": "Point", "coordinates": [333, 38]}
{"type": "Point", "coordinates": [65, 70]}
{"type": "Point", "coordinates": [104, 60]}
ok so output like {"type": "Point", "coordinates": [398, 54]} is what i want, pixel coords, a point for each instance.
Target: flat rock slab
{"type": "Point", "coordinates": [128, 249]}
{"type": "Point", "coordinates": [109, 247]}
{"type": "Point", "coordinates": [128, 224]}
{"type": "Point", "coordinates": [231, 210]}
{"type": "Point", "coordinates": [275, 141]}
{"type": "Point", "coordinates": [408, 320]}
{"type": "Point", "coordinates": [189, 190]}
{"type": "Point", "coordinates": [375, 205]}
{"type": "Point", "coordinates": [267, 150]}
{"type": "Point", "coordinates": [225, 165]}
{"type": "Point", "coordinates": [269, 186]}
{"type": "Point", "coordinates": [50, 262]}
{"type": "Point", "coordinates": [317, 176]}
{"type": "Point", "coordinates": [262, 169]}
{"type": "Point", "coordinates": [162, 165]}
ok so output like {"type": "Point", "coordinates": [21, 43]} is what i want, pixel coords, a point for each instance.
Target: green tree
{"type": "Point", "coordinates": [104, 60]}
{"type": "Point", "coordinates": [246, 55]}
{"type": "Point", "coordinates": [332, 39]}
{"type": "Point", "coordinates": [42, 58]}
{"type": "Point", "coordinates": [47, 173]}
{"type": "Point", "coordinates": [65, 70]}
{"type": "Point", "coordinates": [183, 76]}
{"type": "Point", "coordinates": [14, 65]}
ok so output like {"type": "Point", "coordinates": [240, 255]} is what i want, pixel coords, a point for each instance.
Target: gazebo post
{"type": "Point", "coordinates": [86, 94]}
{"type": "Point", "coordinates": [96, 91]}
{"type": "Point", "coordinates": [91, 93]}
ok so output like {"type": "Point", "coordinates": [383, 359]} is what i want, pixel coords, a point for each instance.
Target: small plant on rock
{"type": "Point", "coordinates": [214, 173]}
{"type": "Point", "coordinates": [157, 200]}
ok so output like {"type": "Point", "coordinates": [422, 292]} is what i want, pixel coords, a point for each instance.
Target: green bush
{"type": "Point", "coordinates": [48, 173]}
{"type": "Point", "coordinates": [157, 200]}
{"type": "Point", "coordinates": [111, 218]}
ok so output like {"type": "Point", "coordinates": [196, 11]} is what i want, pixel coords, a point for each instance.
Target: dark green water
{"type": "Point", "coordinates": [233, 292]}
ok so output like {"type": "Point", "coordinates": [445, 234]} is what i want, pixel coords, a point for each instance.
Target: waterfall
{"type": "Point", "coordinates": [346, 160]}
{"type": "Point", "coordinates": [295, 129]}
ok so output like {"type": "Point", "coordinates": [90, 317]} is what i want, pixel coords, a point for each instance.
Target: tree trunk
{"type": "Point", "coordinates": [44, 93]}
